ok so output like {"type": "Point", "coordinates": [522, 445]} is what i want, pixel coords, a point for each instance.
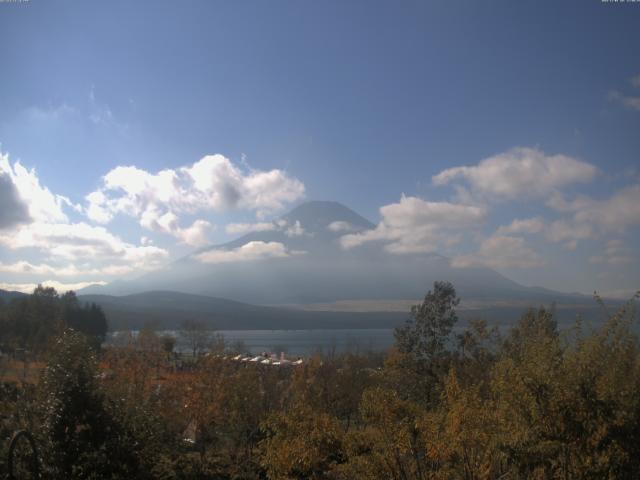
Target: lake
{"type": "Point", "coordinates": [299, 342]}
{"type": "Point", "coordinates": [307, 342]}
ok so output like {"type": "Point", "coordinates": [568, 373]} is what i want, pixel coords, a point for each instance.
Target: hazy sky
{"type": "Point", "coordinates": [504, 134]}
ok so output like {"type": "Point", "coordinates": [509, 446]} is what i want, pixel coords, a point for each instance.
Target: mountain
{"type": "Point", "coordinates": [306, 227]}
{"type": "Point", "coordinates": [302, 262]}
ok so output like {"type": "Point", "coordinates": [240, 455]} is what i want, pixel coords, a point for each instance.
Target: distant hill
{"type": "Point", "coordinates": [167, 310]}
{"type": "Point", "coordinates": [7, 295]}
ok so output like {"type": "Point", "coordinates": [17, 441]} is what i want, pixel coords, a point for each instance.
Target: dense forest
{"type": "Point", "coordinates": [30, 322]}
{"type": "Point", "coordinates": [531, 403]}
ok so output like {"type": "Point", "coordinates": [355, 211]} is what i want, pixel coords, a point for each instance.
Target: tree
{"type": "Point", "coordinates": [463, 433]}
{"type": "Point", "coordinates": [301, 443]}
{"type": "Point", "coordinates": [30, 322]}
{"type": "Point", "coordinates": [421, 359]}
{"type": "Point", "coordinates": [88, 319]}
{"type": "Point", "coordinates": [391, 444]}
{"type": "Point", "coordinates": [168, 343]}
{"type": "Point", "coordinates": [81, 438]}
{"type": "Point", "coordinates": [427, 330]}
{"type": "Point", "coordinates": [196, 335]}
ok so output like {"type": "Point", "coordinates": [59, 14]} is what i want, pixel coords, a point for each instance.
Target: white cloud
{"type": "Point", "coordinates": [69, 270]}
{"type": "Point", "coordinates": [241, 228]}
{"type": "Point", "coordinates": [635, 81]}
{"type": "Point", "coordinates": [26, 267]}
{"type": "Point", "coordinates": [569, 232]}
{"type": "Point", "coordinates": [294, 230]}
{"type": "Point", "coordinates": [616, 213]}
{"type": "Point", "coordinates": [196, 234]}
{"type": "Point", "coordinates": [414, 225]}
{"type": "Point", "coordinates": [86, 249]}
{"type": "Point", "coordinates": [82, 241]}
{"type": "Point", "coordinates": [500, 251]}
{"type": "Point", "coordinates": [558, 202]}
{"type": "Point", "coordinates": [520, 172]}
{"type": "Point", "coordinates": [290, 230]}
{"type": "Point", "coordinates": [247, 252]}
{"type": "Point", "coordinates": [96, 210]}
{"type": "Point", "coordinates": [212, 183]}
{"type": "Point", "coordinates": [524, 225]}
{"type": "Point", "coordinates": [592, 218]}
{"type": "Point", "coordinates": [42, 205]}
{"type": "Point", "coordinates": [627, 101]}
{"type": "Point", "coordinates": [615, 253]}
{"type": "Point", "coordinates": [169, 223]}
{"type": "Point", "coordinates": [341, 226]}
{"type": "Point", "coordinates": [60, 287]}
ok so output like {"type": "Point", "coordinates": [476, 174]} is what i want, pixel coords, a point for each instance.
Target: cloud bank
{"type": "Point", "coordinates": [500, 251]}
{"type": "Point", "coordinates": [59, 286]}
{"type": "Point", "coordinates": [518, 173]}
{"type": "Point", "coordinates": [414, 225]}
{"type": "Point", "coordinates": [248, 252]}
{"type": "Point", "coordinates": [34, 218]}
{"type": "Point", "coordinates": [213, 183]}
{"type": "Point", "coordinates": [27, 200]}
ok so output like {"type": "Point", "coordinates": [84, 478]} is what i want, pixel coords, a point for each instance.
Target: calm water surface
{"type": "Point", "coordinates": [298, 342]}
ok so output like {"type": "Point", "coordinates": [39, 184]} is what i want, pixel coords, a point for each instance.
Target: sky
{"type": "Point", "coordinates": [497, 133]}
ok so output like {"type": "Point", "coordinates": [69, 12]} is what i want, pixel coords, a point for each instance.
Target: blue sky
{"type": "Point", "coordinates": [359, 102]}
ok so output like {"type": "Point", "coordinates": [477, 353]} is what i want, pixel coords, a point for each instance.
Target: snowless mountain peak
{"type": "Point", "coordinates": [322, 215]}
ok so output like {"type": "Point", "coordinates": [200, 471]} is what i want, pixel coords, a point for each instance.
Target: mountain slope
{"type": "Point", "coordinates": [311, 267]}
{"type": "Point", "coordinates": [314, 219]}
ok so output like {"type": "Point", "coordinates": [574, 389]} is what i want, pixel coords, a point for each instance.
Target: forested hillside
{"type": "Point", "coordinates": [31, 321]}
{"type": "Point", "coordinates": [168, 310]}
{"type": "Point", "coordinates": [534, 403]}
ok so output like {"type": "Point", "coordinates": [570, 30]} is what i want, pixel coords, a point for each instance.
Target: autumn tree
{"type": "Point", "coordinates": [390, 443]}
{"type": "Point", "coordinates": [301, 443]}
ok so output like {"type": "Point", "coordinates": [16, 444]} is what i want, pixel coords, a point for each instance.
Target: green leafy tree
{"type": "Point", "coordinates": [425, 334]}
{"type": "Point", "coordinates": [81, 438]}
{"type": "Point", "coordinates": [421, 358]}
